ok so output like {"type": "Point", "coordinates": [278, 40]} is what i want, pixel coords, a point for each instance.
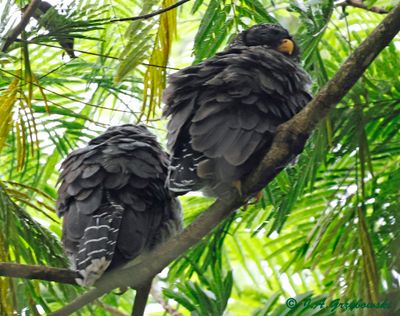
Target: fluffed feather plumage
{"type": "Point", "coordinates": [223, 112]}
{"type": "Point", "coordinates": [114, 200]}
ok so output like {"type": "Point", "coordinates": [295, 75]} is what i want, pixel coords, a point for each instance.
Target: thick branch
{"type": "Point", "coordinates": [30, 10]}
{"type": "Point", "coordinates": [289, 140]}
{"type": "Point", "coordinates": [26, 271]}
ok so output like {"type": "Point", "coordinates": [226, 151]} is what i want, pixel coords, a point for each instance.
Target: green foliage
{"type": "Point", "coordinates": [218, 21]}
{"type": "Point", "coordinates": [326, 227]}
{"type": "Point", "coordinates": [210, 296]}
{"type": "Point", "coordinates": [20, 238]}
{"type": "Point", "coordinates": [314, 18]}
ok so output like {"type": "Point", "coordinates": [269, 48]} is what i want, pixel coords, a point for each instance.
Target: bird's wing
{"type": "Point", "coordinates": [113, 200]}
{"type": "Point", "coordinates": [255, 92]}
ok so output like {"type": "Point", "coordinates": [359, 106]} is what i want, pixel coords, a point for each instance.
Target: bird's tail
{"type": "Point", "coordinates": [182, 173]}
{"type": "Point", "coordinates": [97, 246]}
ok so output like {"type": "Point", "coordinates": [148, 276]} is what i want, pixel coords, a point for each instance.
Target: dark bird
{"type": "Point", "coordinates": [223, 113]}
{"type": "Point", "coordinates": [114, 200]}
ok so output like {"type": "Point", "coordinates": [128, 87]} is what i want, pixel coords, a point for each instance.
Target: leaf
{"type": "Point", "coordinates": [135, 52]}
{"type": "Point", "coordinates": [260, 13]}
{"type": "Point", "coordinates": [155, 75]}
{"type": "Point", "coordinates": [196, 5]}
{"type": "Point", "coordinates": [206, 28]}
{"type": "Point", "coordinates": [7, 102]}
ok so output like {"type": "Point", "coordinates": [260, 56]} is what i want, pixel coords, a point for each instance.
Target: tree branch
{"type": "Point", "coordinates": [30, 10]}
{"type": "Point", "coordinates": [150, 15]}
{"type": "Point", "coordinates": [112, 310]}
{"type": "Point", "coordinates": [289, 140]}
{"type": "Point", "coordinates": [360, 4]}
{"type": "Point", "coordinates": [26, 271]}
{"type": "Point", "coordinates": [156, 294]}
{"type": "Point", "coordinates": [90, 53]}
{"type": "Point", "coordinates": [28, 13]}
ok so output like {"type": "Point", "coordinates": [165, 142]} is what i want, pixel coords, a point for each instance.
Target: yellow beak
{"type": "Point", "coordinates": [286, 46]}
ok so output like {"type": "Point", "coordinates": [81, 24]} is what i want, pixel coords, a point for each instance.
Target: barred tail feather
{"type": "Point", "coordinates": [182, 173]}
{"type": "Point", "coordinates": [97, 246]}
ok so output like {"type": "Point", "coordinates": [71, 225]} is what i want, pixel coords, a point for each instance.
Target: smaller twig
{"type": "Point", "coordinates": [28, 13]}
{"type": "Point", "coordinates": [30, 10]}
{"type": "Point", "coordinates": [111, 309]}
{"type": "Point", "coordinates": [150, 15]}
{"type": "Point", "coordinates": [67, 97]}
{"type": "Point", "coordinates": [361, 5]}
{"type": "Point", "coordinates": [141, 297]}
{"type": "Point", "coordinates": [26, 271]}
{"type": "Point", "coordinates": [89, 53]}
{"type": "Point", "coordinates": [155, 293]}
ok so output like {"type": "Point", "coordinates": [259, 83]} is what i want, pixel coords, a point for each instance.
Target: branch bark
{"type": "Point", "coordinates": [26, 271]}
{"type": "Point", "coordinates": [12, 37]}
{"type": "Point", "coordinates": [289, 140]}
{"type": "Point", "coordinates": [30, 10]}
{"type": "Point", "coordinates": [361, 5]}
{"type": "Point", "coordinates": [150, 15]}
{"type": "Point", "coordinates": [156, 294]}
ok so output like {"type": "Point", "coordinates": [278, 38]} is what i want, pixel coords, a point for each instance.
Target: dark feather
{"type": "Point", "coordinates": [90, 171]}
{"type": "Point", "coordinates": [91, 182]}
{"type": "Point", "coordinates": [71, 175]}
{"type": "Point", "coordinates": [84, 194]}
{"type": "Point", "coordinates": [91, 203]}
{"type": "Point", "coordinates": [116, 180]}
{"type": "Point", "coordinates": [237, 155]}
{"type": "Point", "coordinates": [137, 182]}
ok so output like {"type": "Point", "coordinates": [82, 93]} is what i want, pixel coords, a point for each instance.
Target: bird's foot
{"type": "Point", "coordinates": [258, 196]}
{"type": "Point", "coordinates": [237, 184]}
{"type": "Point", "coordinates": [254, 199]}
{"type": "Point", "coordinates": [121, 290]}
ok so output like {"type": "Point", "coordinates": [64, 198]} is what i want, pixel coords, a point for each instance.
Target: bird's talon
{"type": "Point", "coordinates": [237, 184]}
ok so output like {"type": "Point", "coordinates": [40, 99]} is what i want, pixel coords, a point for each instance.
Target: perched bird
{"type": "Point", "coordinates": [223, 112]}
{"type": "Point", "coordinates": [114, 200]}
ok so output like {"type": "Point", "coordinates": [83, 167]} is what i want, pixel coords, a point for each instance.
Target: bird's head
{"type": "Point", "coordinates": [271, 35]}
